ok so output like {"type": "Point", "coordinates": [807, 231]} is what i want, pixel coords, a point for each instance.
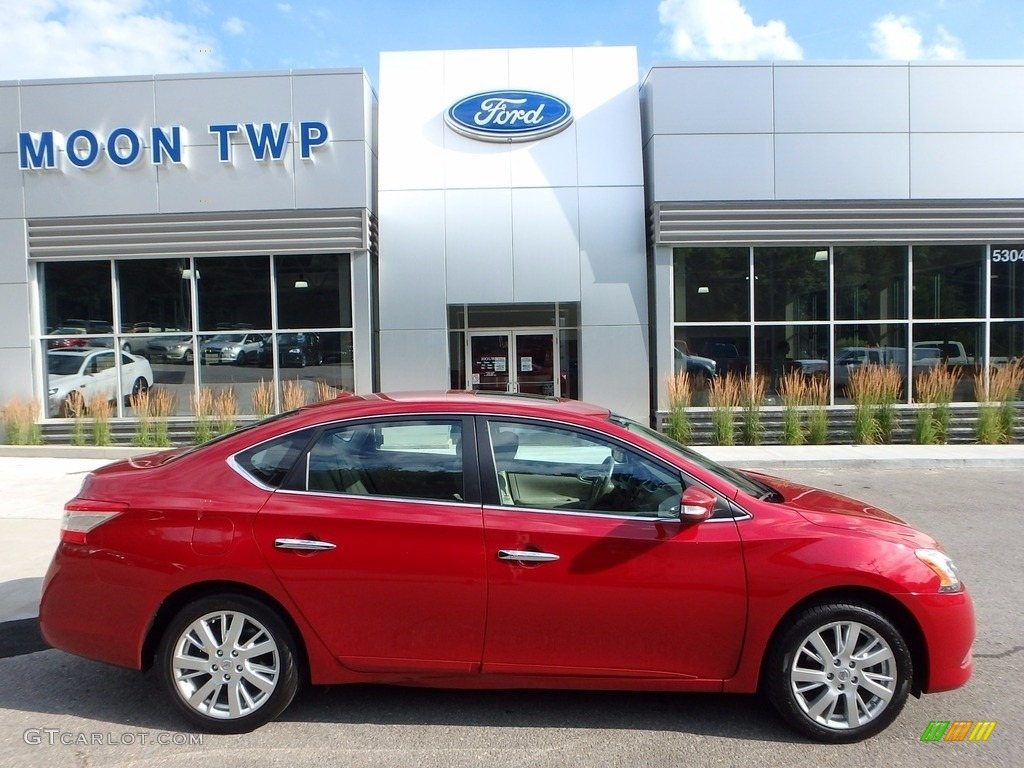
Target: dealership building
{"type": "Point", "coordinates": [531, 220]}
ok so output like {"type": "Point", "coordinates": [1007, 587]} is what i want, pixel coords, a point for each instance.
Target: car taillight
{"type": "Point", "coordinates": [83, 515]}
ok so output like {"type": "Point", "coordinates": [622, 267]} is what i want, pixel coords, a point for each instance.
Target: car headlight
{"type": "Point", "coordinates": [943, 567]}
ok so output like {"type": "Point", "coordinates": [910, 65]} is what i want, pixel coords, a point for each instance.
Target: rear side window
{"type": "Point", "coordinates": [408, 459]}
{"type": "Point", "coordinates": [268, 463]}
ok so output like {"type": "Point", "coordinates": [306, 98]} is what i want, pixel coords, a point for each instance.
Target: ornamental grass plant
{"type": "Point", "coordinates": [752, 392]}
{"type": "Point", "coordinates": [680, 397]}
{"type": "Point", "coordinates": [875, 390]}
{"type": "Point", "coordinates": [818, 390]}
{"type": "Point", "coordinates": [263, 399]}
{"type": "Point", "coordinates": [100, 410]}
{"type": "Point", "coordinates": [292, 395]}
{"type": "Point", "coordinates": [934, 389]}
{"type": "Point", "coordinates": [724, 396]}
{"type": "Point", "coordinates": [225, 411]}
{"type": "Point", "coordinates": [793, 389]}
{"type": "Point", "coordinates": [140, 403]}
{"type": "Point", "coordinates": [20, 425]}
{"type": "Point", "coordinates": [161, 405]}
{"type": "Point", "coordinates": [202, 411]}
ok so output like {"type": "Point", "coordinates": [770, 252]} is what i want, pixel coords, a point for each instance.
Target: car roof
{"type": "Point", "coordinates": [349, 405]}
{"type": "Point", "coordinates": [78, 352]}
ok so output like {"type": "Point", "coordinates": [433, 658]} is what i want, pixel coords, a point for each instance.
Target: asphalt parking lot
{"type": "Point", "coordinates": [58, 709]}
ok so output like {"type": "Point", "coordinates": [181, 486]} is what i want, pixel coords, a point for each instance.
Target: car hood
{"type": "Point", "coordinates": [833, 510]}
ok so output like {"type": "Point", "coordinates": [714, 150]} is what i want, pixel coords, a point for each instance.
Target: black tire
{"type": "Point", "coordinates": [73, 405]}
{"type": "Point", "coordinates": [274, 666]}
{"type": "Point", "coordinates": [139, 387]}
{"type": "Point", "coordinates": [856, 691]}
{"type": "Point", "coordinates": [189, 357]}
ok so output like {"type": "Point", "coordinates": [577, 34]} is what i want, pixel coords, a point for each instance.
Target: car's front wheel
{"type": "Point", "coordinates": [228, 663]}
{"type": "Point", "coordinates": [839, 672]}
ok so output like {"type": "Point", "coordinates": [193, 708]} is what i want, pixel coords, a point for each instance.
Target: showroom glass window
{"type": "Point", "coordinates": [870, 282]}
{"type": "Point", "coordinates": [948, 281]}
{"type": "Point", "coordinates": [712, 284]}
{"type": "Point", "coordinates": [790, 284]}
{"type": "Point", "coordinates": [76, 295]}
{"type": "Point", "coordinates": [1006, 263]}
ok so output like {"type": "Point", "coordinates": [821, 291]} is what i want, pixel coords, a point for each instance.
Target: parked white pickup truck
{"type": "Point", "coordinates": [950, 352]}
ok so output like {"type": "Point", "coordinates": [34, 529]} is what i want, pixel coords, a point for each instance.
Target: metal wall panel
{"type": "Point", "coordinates": [841, 166]}
{"type": "Point", "coordinates": [613, 263]}
{"type": "Point", "coordinates": [15, 381]}
{"type": "Point", "coordinates": [98, 105]}
{"type": "Point", "coordinates": [861, 98]}
{"type": "Point", "coordinates": [413, 83]}
{"type": "Point", "coordinates": [709, 98]}
{"type": "Point", "coordinates": [546, 231]}
{"type": "Point", "coordinates": [706, 167]}
{"type": "Point", "coordinates": [12, 194]}
{"type": "Point", "coordinates": [966, 97]}
{"type": "Point", "coordinates": [10, 119]}
{"type": "Point", "coordinates": [967, 165]}
{"type": "Point", "coordinates": [13, 267]}
{"type": "Point", "coordinates": [414, 359]}
{"type": "Point", "coordinates": [608, 116]}
{"type": "Point", "coordinates": [412, 292]}
{"type": "Point", "coordinates": [478, 246]}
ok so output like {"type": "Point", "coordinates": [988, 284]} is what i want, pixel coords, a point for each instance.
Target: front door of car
{"type": "Point", "coordinates": [590, 572]}
{"type": "Point", "coordinates": [377, 537]}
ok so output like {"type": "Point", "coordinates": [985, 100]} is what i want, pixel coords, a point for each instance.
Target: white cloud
{"type": "Point", "coordinates": [284, 7]}
{"type": "Point", "coordinates": [84, 38]}
{"type": "Point", "coordinates": [234, 26]}
{"type": "Point", "coordinates": [723, 29]}
{"type": "Point", "coordinates": [896, 37]}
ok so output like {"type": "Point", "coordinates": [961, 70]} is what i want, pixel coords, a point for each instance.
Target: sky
{"type": "Point", "coordinates": [93, 38]}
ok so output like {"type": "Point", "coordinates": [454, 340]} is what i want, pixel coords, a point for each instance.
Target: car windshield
{"type": "Point", "coordinates": [63, 365]}
{"type": "Point", "coordinates": [744, 483]}
{"type": "Point", "coordinates": [227, 338]}
{"type": "Point", "coordinates": [289, 338]}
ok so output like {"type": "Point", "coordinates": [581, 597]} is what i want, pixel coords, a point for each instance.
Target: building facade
{"type": "Point", "coordinates": [534, 220]}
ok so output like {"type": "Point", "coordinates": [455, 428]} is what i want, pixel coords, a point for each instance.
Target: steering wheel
{"type": "Point", "coordinates": [603, 482]}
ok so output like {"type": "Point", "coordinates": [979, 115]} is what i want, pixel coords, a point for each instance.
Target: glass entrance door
{"type": "Point", "coordinates": [513, 361]}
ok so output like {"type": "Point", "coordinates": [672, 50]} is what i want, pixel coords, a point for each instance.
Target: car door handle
{"type": "Point", "coordinates": [526, 556]}
{"type": "Point", "coordinates": [303, 545]}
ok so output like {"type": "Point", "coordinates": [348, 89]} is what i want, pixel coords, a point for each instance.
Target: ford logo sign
{"type": "Point", "coordinates": [509, 116]}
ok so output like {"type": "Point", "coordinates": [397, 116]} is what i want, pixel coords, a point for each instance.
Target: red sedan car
{"type": "Point", "coordinates": [475, 540]}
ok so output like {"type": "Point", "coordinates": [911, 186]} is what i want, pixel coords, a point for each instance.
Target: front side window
{"type": "Point", "coordinates": [555, 468]}
{"type": "Point", "coordinates": [406, 459]}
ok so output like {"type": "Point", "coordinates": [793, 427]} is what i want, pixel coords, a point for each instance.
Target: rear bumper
{"type": "Point", "coordinates": [77, 614]}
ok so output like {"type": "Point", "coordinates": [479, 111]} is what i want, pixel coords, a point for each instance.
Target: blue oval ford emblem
{"type": "Point", "coordinates": [509, 115]}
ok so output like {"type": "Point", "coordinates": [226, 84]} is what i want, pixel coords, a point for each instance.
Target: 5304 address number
{"type": "Point", "coordinates": [1007, 254]}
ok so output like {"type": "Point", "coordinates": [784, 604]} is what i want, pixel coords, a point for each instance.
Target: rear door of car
{"type": "Point", "coordinates": [590, 571]}
{"type": "Point", "coordinates": [377, 536]}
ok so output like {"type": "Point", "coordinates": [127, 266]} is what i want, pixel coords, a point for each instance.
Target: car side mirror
{"type": "Point", "coordinates": [697, 504]}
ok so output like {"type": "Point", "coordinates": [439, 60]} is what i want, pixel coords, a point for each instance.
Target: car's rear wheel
{"type": "Point", "coordinates": [228, 663]}
{"type": "Point", "coordinates": [839, 672]}
{"type": "Point", "coordinates": [140, 387]}
{"type": "Point", "coordinates": [73, 405]}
